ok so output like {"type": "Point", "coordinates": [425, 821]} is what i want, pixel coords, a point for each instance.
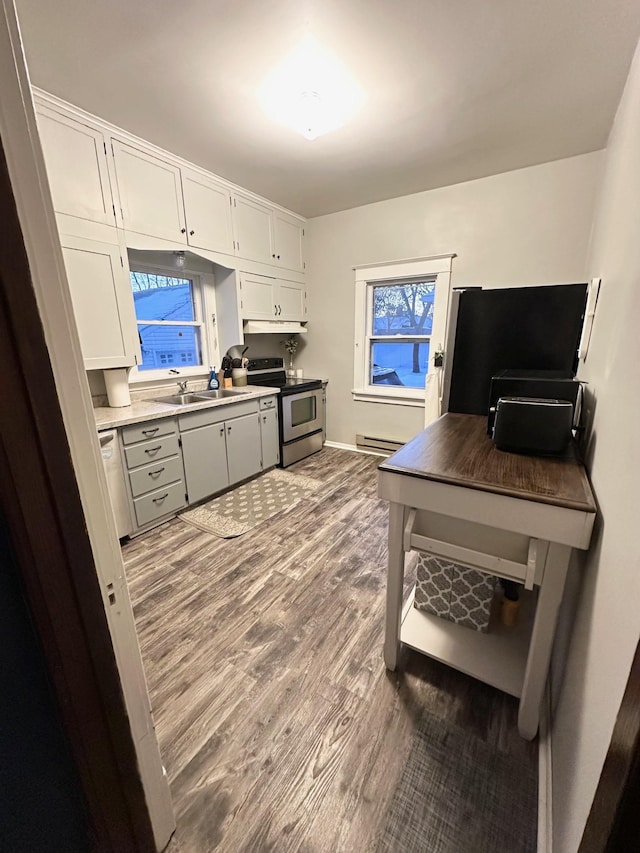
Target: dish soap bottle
{"type": "Point", "coordinates": [213, 384]}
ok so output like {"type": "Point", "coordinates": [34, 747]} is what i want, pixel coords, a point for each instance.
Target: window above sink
{"type": "Point", "coordinates": [172, 302]}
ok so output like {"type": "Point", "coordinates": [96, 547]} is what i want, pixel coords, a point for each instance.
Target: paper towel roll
{"type": "Point", "coordinates": [117, 383]}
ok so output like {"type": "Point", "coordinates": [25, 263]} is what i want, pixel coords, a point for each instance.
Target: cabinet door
{"type": "Point", "coordinates": [76, 164]}
{"type": "Point", "coordinates": [150, 194]}
{"type": "Point", "coordinates": [269, 436]}
{"type": "Point", "coordinates": [207, 208]}
{"type": "Point", "coordinates": [288, 240]}
{"type": "Point", "coordinates": [252, 230]}
{"type": "Point", "coordinates": [244, 450]}
{"type": "Point", "coordinates": [257, 297]}
{"type": "Point", "coordinates": [289, 297]}
{"type": "Point", "coordinates": [205, 461]}
{"type": "Point", "coordinates": [102, 302]}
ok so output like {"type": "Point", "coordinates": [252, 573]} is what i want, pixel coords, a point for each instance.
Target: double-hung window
{"type": "Point", "coordinates": [169, 315]}
{"type": "Point", "coordinates": [401, 312]}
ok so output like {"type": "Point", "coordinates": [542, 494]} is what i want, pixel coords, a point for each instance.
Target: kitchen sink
{"type": "Point", "coordinates": [220, 393]}
{"type": "Point", "coordinates": [179, 399]}
{"type": "Point", "coordinates": [200, 396]}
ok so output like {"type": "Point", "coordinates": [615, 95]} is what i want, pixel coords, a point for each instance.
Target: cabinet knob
{"type": "Point", "coordinates": [264, 419]}
{"type": "Point", "coordinates": [192, 233]}
{"type": "Point", "coordinates": [183, 230]}
{"type": "Point", "coordinates": [273, 256]}
{"type": "Point", "coordinates": [229, 429]}
{"type": "Point", "coordinates": [222, 431]}
{"type": "Point", "coordinates": [278, 257]}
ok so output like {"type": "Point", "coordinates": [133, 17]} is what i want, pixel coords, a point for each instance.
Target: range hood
{"type": "Point", "coordinates": [274, 327]}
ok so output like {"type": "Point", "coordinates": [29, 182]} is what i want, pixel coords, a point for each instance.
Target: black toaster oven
{"type": "Point", "coordinates": [533, 425]}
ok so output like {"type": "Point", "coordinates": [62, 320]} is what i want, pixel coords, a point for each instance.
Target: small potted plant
{"type": "Point", "coordinates": [291, 346]}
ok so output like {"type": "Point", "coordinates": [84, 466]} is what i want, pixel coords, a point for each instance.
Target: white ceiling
{"type": "Point", "coordinates": [455, 89]}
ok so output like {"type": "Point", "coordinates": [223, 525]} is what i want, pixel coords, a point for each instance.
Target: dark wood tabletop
{"type": "Point", "coordinates": [456, 449]}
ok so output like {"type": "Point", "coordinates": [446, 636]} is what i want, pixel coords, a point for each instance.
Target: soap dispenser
{"type": "Point", "coordinates": [213, 384]}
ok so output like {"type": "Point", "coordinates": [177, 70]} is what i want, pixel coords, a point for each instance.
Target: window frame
{"type": "Point", "coordinates": [172, 372]}
{"type": "Point", "coordinates": [436, 269]}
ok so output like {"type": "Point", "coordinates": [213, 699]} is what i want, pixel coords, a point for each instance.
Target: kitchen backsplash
{"type": "Point", "coordinates": [260, 346]}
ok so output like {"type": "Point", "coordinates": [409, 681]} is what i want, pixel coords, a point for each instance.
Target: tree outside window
{"type": "Point", "coordinates": [404, 312]}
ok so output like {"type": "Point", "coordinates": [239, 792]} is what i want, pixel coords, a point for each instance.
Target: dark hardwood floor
{"type": "Point", "coordinates": [279, 726]}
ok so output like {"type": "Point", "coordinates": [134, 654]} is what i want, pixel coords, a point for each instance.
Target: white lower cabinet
{"type": "Point", "coordinates": [204, 451]}
{"type": "Point", "coordinates": [155, 472]}
{"type": "Point", "coordinates": [172, 462]}
{"type": "Point", "coordinates": [221, 446]}
{"type": "Point", "coordinates": [98, 279]}
{"type": "Point", "coordinates": [269, 438]}
{"type": "Point", "coordinates": [244, 454]}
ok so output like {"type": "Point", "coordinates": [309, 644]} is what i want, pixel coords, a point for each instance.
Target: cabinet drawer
{"type": "Point", "coordinates": [216, 414]}
{"type": "Point", "coordinates": [148, 429]}
{"type": "Point", "coordinates": [156, 474]}
{"type": "Point", "coordinates": [159, 503]}
{"type": "Point", "coordinates": [152, 451]}
{"type": "Point", "coordinates": [267, 403]}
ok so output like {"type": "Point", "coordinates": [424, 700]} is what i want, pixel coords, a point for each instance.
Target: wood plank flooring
{"type": "Point", "coordinates": [279, 726]}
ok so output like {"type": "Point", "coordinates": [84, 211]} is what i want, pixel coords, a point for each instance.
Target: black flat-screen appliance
{"type": "Point", "coordinates": [515, 328]}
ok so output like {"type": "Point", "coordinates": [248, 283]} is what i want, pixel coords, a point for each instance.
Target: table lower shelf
{"type": "Point", "coordinates": [498, 657]}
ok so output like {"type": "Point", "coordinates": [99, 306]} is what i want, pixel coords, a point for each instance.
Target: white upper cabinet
{"type": "Point", "coordinates": [101, 177]}
{"type": "Point", "coordinates": [290, 300]}
{"type": "Point", "coordinates": [208, 212]}
{"type": "Point", "coordinates": [150, 194]}
{"type": "Point", "coordinates": [102, 304]}
{"type": "Point", "coordinates": [257, 297]}
{"type": "Point", "coordinates": [288, 235]}
{"type": "Point", "coordinates": [252, 230]}
{"type": "Point", "coordinates": [267, 235]}
{"type": "Point", "coordinates": [265, 298]}
{"type": "Point", "coordinates": [76, 161]}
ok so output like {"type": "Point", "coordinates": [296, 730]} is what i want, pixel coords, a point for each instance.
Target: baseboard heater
{"type": "Point", "coordinates": [377, 445]}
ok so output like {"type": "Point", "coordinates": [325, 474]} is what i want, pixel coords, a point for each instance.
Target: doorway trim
{"type": "Point", "coordinates": [69, 582]}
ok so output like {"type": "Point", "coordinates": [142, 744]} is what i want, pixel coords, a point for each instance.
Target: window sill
{"type": "Point", "coordinates": [150, 377]}
{"type": "Point", "coordinates": [363, 395]}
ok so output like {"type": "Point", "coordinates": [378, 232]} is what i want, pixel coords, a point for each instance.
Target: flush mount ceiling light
{"type": "Point", "coordinates": [310, 92]}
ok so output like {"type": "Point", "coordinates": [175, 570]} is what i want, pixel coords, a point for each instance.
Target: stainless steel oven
{"type": "Point", "coordinates": [300, 408]}
{"type": "Point", "coordinates": [301, 414]}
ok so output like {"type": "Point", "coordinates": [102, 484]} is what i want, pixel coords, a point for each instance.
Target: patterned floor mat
{"type": "Point", "coordinates": [238, 511]}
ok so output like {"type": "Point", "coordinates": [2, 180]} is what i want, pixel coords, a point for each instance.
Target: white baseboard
{"type": "Point", "coordinates": [545, 802]}
{"type": "Point", "coordinates": [339, 446]}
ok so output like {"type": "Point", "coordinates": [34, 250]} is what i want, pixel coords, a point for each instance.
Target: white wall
{"type": "Point", "coordinates": [607, 625]}
{"type": "Point", "coordinates": [530, 226]}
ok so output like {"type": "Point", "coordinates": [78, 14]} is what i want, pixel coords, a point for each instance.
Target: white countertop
{"type": "Point", "coordinates": [149, 410]}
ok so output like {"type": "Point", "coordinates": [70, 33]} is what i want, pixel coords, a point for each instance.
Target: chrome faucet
{"type": "Point", "coordinates": [183, 386]}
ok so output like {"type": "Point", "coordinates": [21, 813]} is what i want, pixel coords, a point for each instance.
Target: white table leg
{"type": "Point", "coordinates": [544, 626]}
{"type": "Point", "coordinates": [395, 581]}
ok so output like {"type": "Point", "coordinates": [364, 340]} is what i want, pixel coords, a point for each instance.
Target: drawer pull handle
{"type": "Point", "coordinates": [152, 450]}
{"type": "Point", "coordinates": [156, 473]}
{"type": "Point", "coordinates": [152, 431]}
{"type": "Point", "coordinates": [161, 498]}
